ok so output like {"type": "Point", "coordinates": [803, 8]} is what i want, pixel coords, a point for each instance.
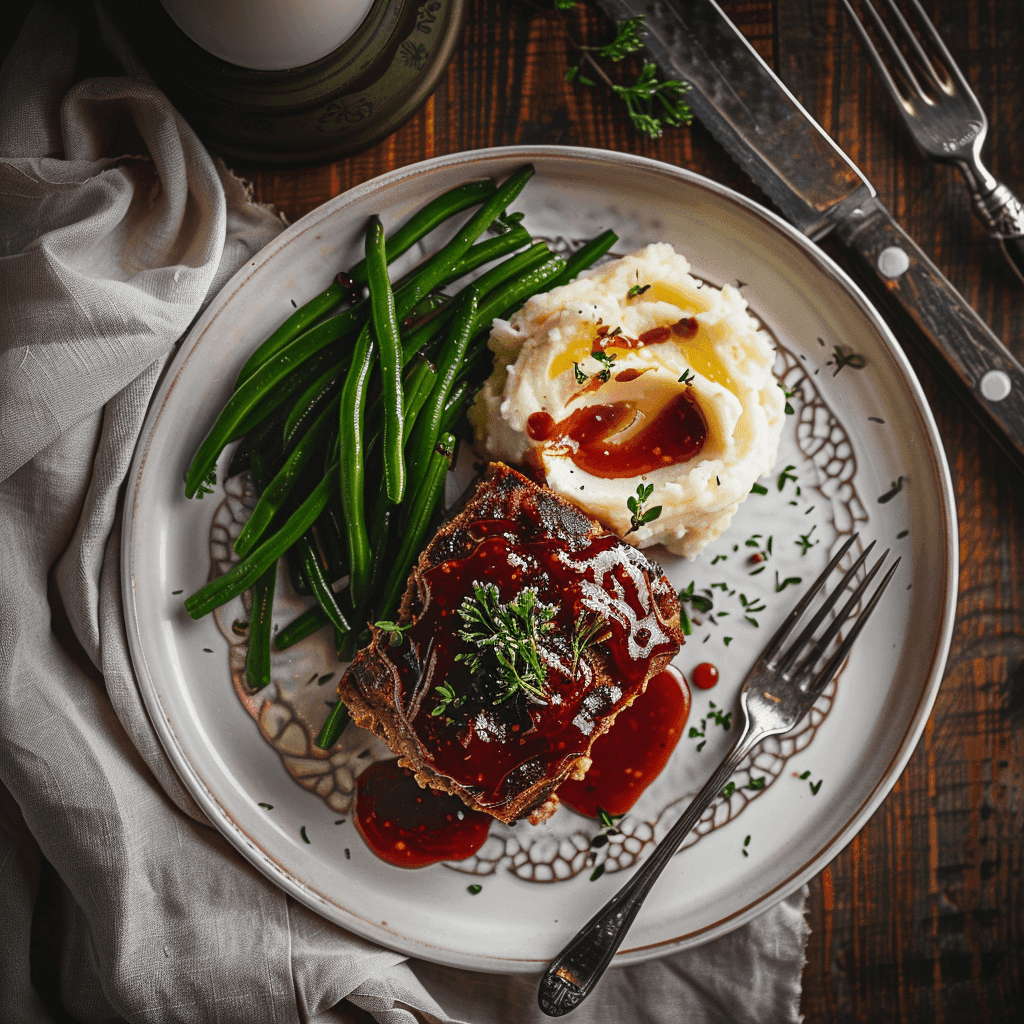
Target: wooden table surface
{"type": "Point", "coordinates": [921, 918]}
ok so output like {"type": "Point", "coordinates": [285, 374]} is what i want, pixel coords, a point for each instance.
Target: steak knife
{"type": "Point", "coordinates": [819, 190]}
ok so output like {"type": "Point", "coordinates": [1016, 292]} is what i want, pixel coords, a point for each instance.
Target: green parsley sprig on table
{"type": "Point", "coordinates": [653, 104]}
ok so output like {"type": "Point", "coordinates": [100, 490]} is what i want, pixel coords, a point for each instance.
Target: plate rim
{"type": "Point", "coordinates": [193, 779]}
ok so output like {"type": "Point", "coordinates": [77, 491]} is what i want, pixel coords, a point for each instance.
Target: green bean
{"type": "Point", "coordinates": [333, 727]}
{"type": "Point", "coordinates": [421, 511]}
{"type": "Point", "coordinates": [584, 257]}
{"type": "Point", "coordinates": [309, 404]}
{"type": "Point", "coordinates": [436, 212]}
{"type": "Point", "coordinates": [264, 391]}
{"type": "Point", "coordinates": [300, 627]}
{"type": "Point", "coordinates": [264, 436]}
{"type": "Point", "coordinates": [330, 532]}
{"type": "Point", "coordinates": [353, 392]}
{"type": "Point", "coordinates": [454, 407]}
{"type": "Point", "coordinates": [502, 302]}
{"type": "Point", "coordinates": [300, 321]}
{"type": "Point", "coordinates": [419, 382]}
{"type": "Point", "coordinates": [313, 568]}
{"type": "Point", "coordinates": [425, 433]}
{"type": "Point", "coordinates": [276, 492]}
{"type": "Point", "coordinates": [385, 328]}
{"type": "Point", "coordinates": [518, 264]}
{"type": "Point", "coordinates": [441, 265]}
{"type": "Point", "coordinates": [257, 658]}
{"type": "Point", "coordinates": [243, 574]}
{"type": "Point", "coordinates": [490, 249]}
{"type": "Point", "coordinates": [351, 477]}
{"type": "Point", "coordinates": [425, 220]}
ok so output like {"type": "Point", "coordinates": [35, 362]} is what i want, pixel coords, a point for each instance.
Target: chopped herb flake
{"type": "Point", "coordinates": [474, 888]}
{"type": "Point", "coordinates": [267, 807]}
{"type": "Point", "coordinates": [302, 832]}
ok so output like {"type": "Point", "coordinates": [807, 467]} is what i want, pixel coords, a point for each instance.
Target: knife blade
{"type": "Point", "coordinates": [819, 190]}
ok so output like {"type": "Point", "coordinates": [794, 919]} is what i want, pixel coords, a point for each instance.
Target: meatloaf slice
{"type": "Point", "coordinates": [526, 629]}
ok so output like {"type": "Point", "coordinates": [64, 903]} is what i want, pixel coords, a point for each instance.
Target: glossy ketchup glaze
{"type": "Point", "coordinates": [674, 434]}
{"type": "Point", "coordinates": [412, 827]}
{"type": "Point", "coordinates": [631, 755]}
{"type": "Point", "coordinates": [494, 748]}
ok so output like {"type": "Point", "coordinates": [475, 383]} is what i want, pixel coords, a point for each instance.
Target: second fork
{"type": "Point", "coordinates": [943, 114]}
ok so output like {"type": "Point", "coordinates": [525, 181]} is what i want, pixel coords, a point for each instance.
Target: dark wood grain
{"type": "Point", "coordinates": [921, 917]}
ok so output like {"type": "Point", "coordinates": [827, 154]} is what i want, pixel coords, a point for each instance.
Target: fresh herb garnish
{"type": "Point", "coordinates": [789, 394]}
{"type": "Point", "coordinates": [728, 790]}
{"type": "Point", "coordinates": [746, 843]}
{"type": "Point", "coordinates": [756, 783]}
{"type": "Point", "coordinates": [652, 105]}
{"type": "Point", "coordinates": [759, 489]}
{"type": "Point", "coordinates": [302, 832]}
{"type": "Point", "coordinates": [786, 582]}
{"type": "Point", "coordinates": [394, 631]}
{"type": "Point", "coordinates": [639, 515]}
{"type": "Point", "coordinates": [589, 631]}
{"type": "Point", "coordinates": [786, 474]}
{"type": "Point", "coordinates": [603, 375]}
{"type": "Point", "coordinates": [597, 873]}
{"type": "Point", "coordinates": [208, 483]}
{"type": "Point", "coordinates": [687, 378]}
{"type": "Point", "coordinates": [267, 807]}
{"type": "Point", "coordinates": [511, 633]}
{"type": "Point", "coordinates": [447, 698]}
{"type": "Point", "coordinates": [815, 786]}
{"type": "Point", "coordinates": [894, 488]}
{"type": "Point", "coordinates": [841, 358]}
{"type": "Point", "coordinates": [474, 888]}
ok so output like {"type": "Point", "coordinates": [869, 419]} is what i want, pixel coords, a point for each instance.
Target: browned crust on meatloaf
{"type": "Point", "coordinates": [371, 686]}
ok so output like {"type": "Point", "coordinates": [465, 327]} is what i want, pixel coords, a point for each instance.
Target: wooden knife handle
{"type": "Point", "coordinates": [977, 363]}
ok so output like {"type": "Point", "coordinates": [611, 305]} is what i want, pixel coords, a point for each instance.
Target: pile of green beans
{"type": "Point", "coordinates": [347, 419]}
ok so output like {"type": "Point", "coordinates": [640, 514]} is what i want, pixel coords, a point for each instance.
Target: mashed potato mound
{"type": "Point", "coordinates": [651, 324]}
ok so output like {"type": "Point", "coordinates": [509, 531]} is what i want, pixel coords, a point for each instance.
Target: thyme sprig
{"type": "Point", "coordinates": [638, 512]}
{"type": "Point", "coordinates": [512, 634]}
{"type": "Point", "coordinates": [589, 630]}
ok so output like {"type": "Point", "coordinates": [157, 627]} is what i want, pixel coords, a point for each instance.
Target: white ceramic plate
{"type": "Point", "coordinates": [854, 434]}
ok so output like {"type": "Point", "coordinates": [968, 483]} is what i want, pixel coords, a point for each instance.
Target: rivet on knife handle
{"type": "Point", "coordinates": [975, 360]}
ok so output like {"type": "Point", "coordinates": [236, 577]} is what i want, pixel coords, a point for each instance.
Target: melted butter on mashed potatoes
{"type": "Point", "coordinates": [543, 365]}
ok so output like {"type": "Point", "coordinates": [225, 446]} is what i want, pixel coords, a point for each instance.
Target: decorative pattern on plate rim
{"type": "Point", "coordinates": [305, 677]}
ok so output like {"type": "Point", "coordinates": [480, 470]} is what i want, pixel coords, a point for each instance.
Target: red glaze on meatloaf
{"type": "Point", "coordinates": [605, 620]}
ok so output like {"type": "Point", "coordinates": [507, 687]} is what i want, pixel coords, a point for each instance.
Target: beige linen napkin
{"type": "Point", "coordinates": [116, 227]}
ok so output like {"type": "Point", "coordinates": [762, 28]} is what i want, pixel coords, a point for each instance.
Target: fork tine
{"type": "Point", "coordinates": [801, 606]}
{"type": "Point", "coordinates": [825, 675]}
{"type": "Point", "coordinates": [931, 33]}
{"type": "Point", "coordinates": [798, 645]}
{"type": "Point", "coordinates": [821, 644]}
{"type": "Point", "coordinates": [895, 54]}
{"type": "Point", "coordinates": [926, 61]}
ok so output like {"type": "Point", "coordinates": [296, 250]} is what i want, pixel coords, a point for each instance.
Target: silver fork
{"type": "Point", "coordinates": [777, 693]}
{"type": "Point", "coordinates": [943, 115]}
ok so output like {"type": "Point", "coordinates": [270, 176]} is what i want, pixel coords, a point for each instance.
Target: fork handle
{"type": "Point", "coordinates": [975, 361]}
{"type": "Point", "coordinates": [1003, 215]}
{"type": "Point", "coordinates": [572, 974]}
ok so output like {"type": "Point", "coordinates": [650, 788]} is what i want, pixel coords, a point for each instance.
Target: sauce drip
{"type": "Point", "coordinates": [675, 434]}
{"type": "Point", "coordinates": [704, 676]}
{"type": "Point", "coordinates": [631, 755]}
{"type": "Point", "coordinates": [412, 827]}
